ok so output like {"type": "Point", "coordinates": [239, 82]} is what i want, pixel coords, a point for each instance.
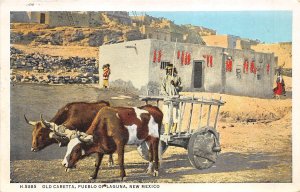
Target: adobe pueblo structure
{"type": "Point", "coordinates": [70, 18]}
{"type": "Point", "coordinates": [201, 67]}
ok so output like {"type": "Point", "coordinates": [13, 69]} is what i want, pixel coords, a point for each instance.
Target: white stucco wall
{"type": "Point", "coordinates": [126, 63]}
{"type": "Point", "coordinates": [137, 66]}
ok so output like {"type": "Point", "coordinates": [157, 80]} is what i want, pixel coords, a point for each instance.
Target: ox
{"type": "Point", "coordinates": [76, 115]}
{"type": "Point", "coordinates": [112, 129]}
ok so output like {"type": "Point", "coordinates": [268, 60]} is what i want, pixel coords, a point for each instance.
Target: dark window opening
{"type": "Point", "coordinates": [238, 73]}
{"type": "Point", "coordinates": [164, 64]}
{"type": "Point", "coordinates": [198, 74]}
{"type": "Point", "coordinates": [43, 18]}
{"type": "Point", "coordinates": [258, 77]}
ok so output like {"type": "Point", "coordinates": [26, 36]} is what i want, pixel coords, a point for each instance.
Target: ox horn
{"type": "Point", "coordinates": [29, 122]}
{"type": "Point", "coordinates": [58, 133]}
{"type": "Point", "coordinates": [46, 123]}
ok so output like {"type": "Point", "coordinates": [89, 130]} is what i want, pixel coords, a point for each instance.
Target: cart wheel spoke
{"type": "Point", "coordinates": [200, 149]}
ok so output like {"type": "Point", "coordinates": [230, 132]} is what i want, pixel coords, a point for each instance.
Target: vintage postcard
{"type": "Point", "coordinates": [130, 97]}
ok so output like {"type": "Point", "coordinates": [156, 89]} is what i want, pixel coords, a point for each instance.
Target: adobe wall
{"type": "Point", "coordinates": [68, 18]}
{"type": "Point", "coordinates": [257, 84]}
{"type": "Point", "coordinates": [127, 64]}
{"type": "Point", "coordinates": [19, 17]}
{"type": "Point", "coordinates": [216, 79]}
{"type": "Point", "coordinates": [141, 67]}
{"type": "Point", "coordinates": [282, 50]}
{"type": "Point", "coordinates": [216, 40]}
{"type": "Point", "coordinates": [186, 71]}
{"type": "Point", "coordinates": [154, 33]}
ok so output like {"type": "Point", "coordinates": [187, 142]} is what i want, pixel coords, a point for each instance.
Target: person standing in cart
{"type": "Point", "coordinates": [170, 87]}
{"type": "Point", "coordinates": [106, 73]}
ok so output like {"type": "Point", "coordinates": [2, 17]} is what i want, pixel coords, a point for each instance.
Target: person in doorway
{"type": "Point", "coordinates": [106, 73]}
{"type": "Point", "coordinates": [170, 87]}
{"type": "Point", "coordinates": [171, 84]}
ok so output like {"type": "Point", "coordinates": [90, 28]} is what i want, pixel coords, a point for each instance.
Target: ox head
{"type": "Point", "coordinates": [40, 135]}
{"type": "Point", "coordinates": [44, 134]}
{"type": "Point", "coordinates": [76, 149]}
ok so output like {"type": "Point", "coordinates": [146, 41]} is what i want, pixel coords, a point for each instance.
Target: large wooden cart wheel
{"type": "Point", "coordinates": [143, 149]}
{"type": "Point", "coordinates": [203, 148]}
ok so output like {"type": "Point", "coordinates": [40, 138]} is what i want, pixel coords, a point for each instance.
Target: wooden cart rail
{"type": "Point", "coordinates": [182, 101]}
{"type": "Point", "coordinates": [202, 143]}
{"type": "Point", "coordinates": [195, 100]}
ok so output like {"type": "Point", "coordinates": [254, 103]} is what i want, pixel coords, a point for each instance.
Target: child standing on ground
{"type": "Point", "coordinates": [106, 73]}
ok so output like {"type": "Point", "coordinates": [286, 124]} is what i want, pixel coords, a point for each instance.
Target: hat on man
{"type": "Point", "coordinates": [169, 66]}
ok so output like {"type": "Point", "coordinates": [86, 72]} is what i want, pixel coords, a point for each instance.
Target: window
{"type": "Point", "coordinates": [238, 73]}
{"type": "Point", "coordinates": [163, 64]}
{"type": "Point", "coordinates": [234, 45]}
{"type": "Point", "coordinates": [258, 77]}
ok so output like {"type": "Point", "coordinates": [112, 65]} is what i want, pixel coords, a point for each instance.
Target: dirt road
{"type": "Point", "coordinates": [259, 151]}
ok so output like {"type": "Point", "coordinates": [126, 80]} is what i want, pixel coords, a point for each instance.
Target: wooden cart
{"type": "Point", "coordinates": [202, 142]}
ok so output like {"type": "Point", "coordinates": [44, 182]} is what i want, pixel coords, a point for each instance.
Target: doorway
{"type": "Point", "coordinates": [198, 74]}
{"type": "Point", "coordinates": [42, 18]}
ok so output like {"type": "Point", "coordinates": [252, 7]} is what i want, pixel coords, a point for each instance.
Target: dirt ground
{"type": "Point", "coordinates": [256, 151]}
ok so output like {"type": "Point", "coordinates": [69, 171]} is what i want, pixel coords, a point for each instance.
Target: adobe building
{"type": "Point", "coordinates": [229, 41]}
{"type": "Point", "coordinates": [201, 67]}
{"type": "Point", "coordinates": [70, 18]}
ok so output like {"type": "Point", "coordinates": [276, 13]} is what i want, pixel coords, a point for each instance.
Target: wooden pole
{"type": "Point", "coordinates": [170, 125]}
{"type": "Point", "coordinates": [174, 60]}
{"type": "Point", "coordinates": [217, 115]}
{"type": "Point", "coordinates": [190, 117]}
{"type": "Point", "coordinates": [200, 115]}
{"type": "Point", "coordinates": [208, 115]}
{"type": "Point", "coordinates": [181, 112]}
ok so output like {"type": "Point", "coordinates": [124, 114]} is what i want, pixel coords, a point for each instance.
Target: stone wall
{"type": "Point", "coordinates": [39, 68]}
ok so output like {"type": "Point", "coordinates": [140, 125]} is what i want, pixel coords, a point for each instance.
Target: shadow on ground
{"type": "Point", "coordinates": [177, 166]}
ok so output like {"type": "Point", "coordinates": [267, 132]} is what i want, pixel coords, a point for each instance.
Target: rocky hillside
{"type": "Point", "coordinates": [41, 34]}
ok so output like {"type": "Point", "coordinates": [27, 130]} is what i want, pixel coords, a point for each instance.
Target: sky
{"type": "Point", "coordinates": [266, 26]}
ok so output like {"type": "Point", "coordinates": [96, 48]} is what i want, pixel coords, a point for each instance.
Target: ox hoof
{"type": "Point", "coordinates": [149, 171]}
{"type": "Point", "coordinates": [123, 178]}
{"type": "Point", "coordinates": [67, 170]}
{"type": "Point", "coordinates": [92, 177]}
{"type": "Point", "coordinates": [155, 173]}
{"type": "Point", "coordinates": [110, 164]}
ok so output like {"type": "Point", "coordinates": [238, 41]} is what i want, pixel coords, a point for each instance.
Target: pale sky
{"type": "Point", "coordinates": [266, 26]}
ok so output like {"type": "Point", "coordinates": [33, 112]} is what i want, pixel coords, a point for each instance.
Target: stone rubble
{"type": "Point", "coordinates": [46, 69]}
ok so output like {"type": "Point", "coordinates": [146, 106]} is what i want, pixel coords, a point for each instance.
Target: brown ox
{"type": "Point", "coordinates": [76, 115]}
{"type": "Point", "coordinates": [112, 129]}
